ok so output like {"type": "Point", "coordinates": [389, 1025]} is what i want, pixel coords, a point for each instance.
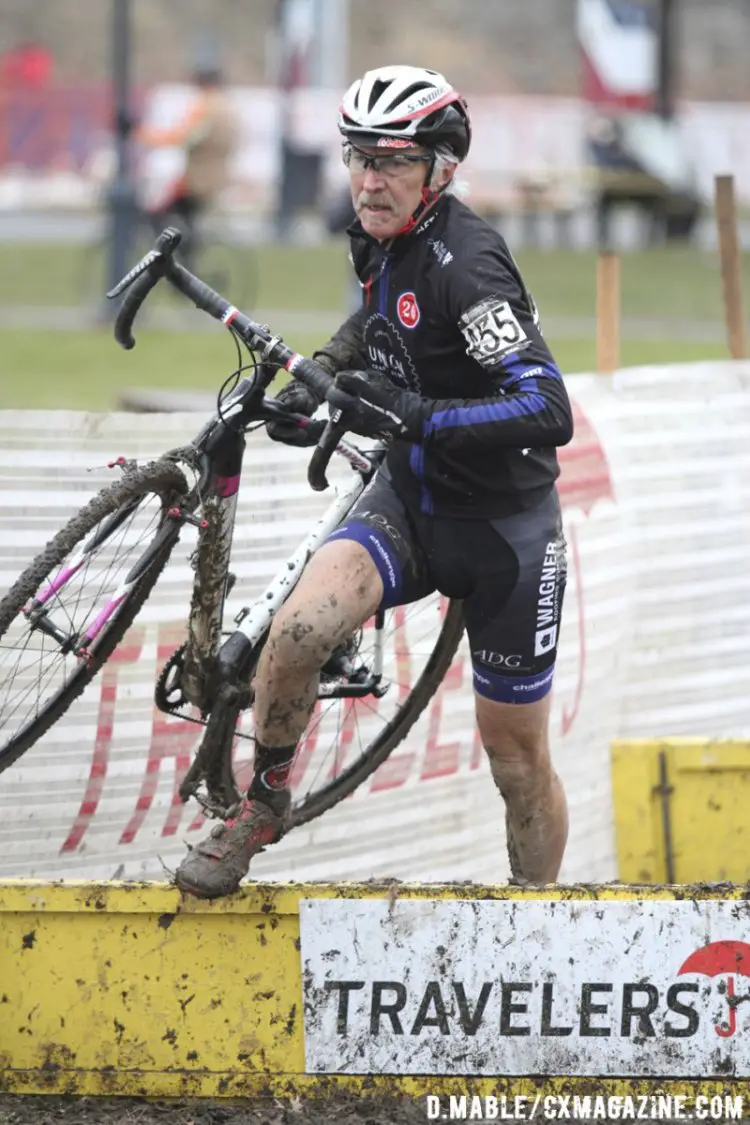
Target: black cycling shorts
{"type": "Point", "coordinates": [509, 572]}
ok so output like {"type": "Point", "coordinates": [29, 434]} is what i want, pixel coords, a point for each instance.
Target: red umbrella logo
{"type": "Point", "coordinates": [713, 960]}
{"type": "Point", "coordinates": [584, 479]}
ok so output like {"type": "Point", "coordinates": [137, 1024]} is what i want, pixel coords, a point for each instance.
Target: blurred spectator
{"type": "Point", "coordinates": [25, 73]}
{"type": "Point", "coordinates": [26, 67]}
{"type": "Point", "coordinates": [207, 135]}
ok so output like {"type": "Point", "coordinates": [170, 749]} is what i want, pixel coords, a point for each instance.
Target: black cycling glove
{"type": "Point", "coordinates": [299, 400]}
{"type": "Point", "coordinates": [373, 407]}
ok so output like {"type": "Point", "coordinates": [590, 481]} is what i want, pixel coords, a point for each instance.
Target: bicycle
{"type": "Point", "coordinates": [66, 614]}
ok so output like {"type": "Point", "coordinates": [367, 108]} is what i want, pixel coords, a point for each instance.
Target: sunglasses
{"type": "Point", "coordinates": [390, 166]}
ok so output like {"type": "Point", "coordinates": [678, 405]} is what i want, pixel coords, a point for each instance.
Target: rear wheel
{"type": "Point", "coordinates": [71, 607]}
{"type": "Point", "coordinates": [348, 739]}
{"type": "Point", "coordinates": [371, 693]}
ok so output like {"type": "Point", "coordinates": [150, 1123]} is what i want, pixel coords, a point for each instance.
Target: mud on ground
{"type": "Point", "coordinates": [344, 1109]}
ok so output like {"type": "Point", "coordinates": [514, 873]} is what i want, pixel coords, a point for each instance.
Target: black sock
{"type": "Point", "coordinates": [270, 784]}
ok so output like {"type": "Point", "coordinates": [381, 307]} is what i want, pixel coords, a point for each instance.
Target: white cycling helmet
{"type": "Point", "coordinates": [393, 105]}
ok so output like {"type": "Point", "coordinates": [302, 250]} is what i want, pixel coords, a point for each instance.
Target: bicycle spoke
{"type": "Point", "coordinates": [26, 690]}
{"type": "Point", "coordinates": [342, 730]}
{"type": "Point", "coordinates": [104, 578]}
{"type": "Point", "coordinates": [82, 594]}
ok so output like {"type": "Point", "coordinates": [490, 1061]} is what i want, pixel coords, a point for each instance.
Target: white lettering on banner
{"type": "Point", "coordinates": [492, 331]}
{"type": "Point", "coordinates": [525, 988]}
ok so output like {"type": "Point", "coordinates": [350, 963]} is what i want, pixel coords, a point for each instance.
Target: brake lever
{"type": "Point", "coordinates": [324, 450]}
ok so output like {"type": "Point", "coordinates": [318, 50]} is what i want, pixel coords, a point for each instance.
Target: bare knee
{"type": "Point", "coordinates": [299, 640]}
{"type": "Point", "coordinates": [516, 742]}
{"type": "Point", "coordinates": [519, 769]}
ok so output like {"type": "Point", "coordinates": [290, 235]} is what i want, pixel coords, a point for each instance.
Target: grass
{"type": "Point", "coordinates": [278, 276]}
{"type": "Point", "coordinates": [671, 303]}
{"type": "Point", "coordinates": [674, 283]}
{"type": "Point", "coordinates": [86, 370]}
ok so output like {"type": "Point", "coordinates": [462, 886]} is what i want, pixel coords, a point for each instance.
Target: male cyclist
{"type": "Point", "coordinates": [207, 135]}
{"type": "Point", "coordinates": [445, 359]}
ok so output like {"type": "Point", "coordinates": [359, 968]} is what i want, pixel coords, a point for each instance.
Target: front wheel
{"type": "Point", "coordinates": [371, 693]}
{"type": "Point", "coordinates": [71, 607]}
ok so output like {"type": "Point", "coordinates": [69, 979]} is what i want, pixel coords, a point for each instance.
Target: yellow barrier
{"type": "Point", "coordinates": [132, 989]}
{"type": "Point", "coordinates": [681, 810]}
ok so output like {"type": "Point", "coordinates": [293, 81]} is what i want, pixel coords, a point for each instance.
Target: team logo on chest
{"type": "Point", "coordinates": [408, 310]}
{"type": "Point", "coordinates": [387, 352]}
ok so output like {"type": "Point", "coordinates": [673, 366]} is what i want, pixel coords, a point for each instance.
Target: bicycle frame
{"type": "Point", "coordinates": [206, 663]}
{"type": "Point", "coordinates": [204, 669]}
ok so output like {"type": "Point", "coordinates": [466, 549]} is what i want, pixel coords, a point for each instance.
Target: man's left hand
{"type": "Point", "coordinates": [374, 408]}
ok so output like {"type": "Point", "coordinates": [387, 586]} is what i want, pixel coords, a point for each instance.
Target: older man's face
{"type": "Point", "coordinates": [386, 185]}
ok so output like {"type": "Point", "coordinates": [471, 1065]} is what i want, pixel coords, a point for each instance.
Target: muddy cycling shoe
{"type": "Point", "coordinates": [217, 865]}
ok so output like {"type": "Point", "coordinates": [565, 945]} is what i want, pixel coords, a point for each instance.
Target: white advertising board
{"type": "Point", "coordinates": [506, 987]}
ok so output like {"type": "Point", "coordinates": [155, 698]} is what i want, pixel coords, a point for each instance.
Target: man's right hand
{"type": "Point", "coordinates": [299, 400]}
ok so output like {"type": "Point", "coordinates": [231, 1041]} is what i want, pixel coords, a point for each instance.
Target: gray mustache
{"type": "Point", "coordinates": [365, 200]}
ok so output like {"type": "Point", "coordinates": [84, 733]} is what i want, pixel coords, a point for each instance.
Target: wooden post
{"type": "Point", "coordinates": [607, 313]}
{"type": "Point", "coordinates": [729, 255]}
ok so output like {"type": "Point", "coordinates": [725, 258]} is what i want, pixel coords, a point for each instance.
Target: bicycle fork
{"type": "Point", "coordinates": [213, 581]}
{"type": "Point", "coordinates": [232, 667]}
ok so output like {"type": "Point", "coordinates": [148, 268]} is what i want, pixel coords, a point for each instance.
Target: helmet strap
{"type": "Point", "coordinates": [428, 198]}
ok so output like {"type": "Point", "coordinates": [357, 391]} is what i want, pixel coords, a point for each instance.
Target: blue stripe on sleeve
{"type": "Point", "coordinates": [518, 367]}
{"type": "Point", "coordinates": [531, 402]}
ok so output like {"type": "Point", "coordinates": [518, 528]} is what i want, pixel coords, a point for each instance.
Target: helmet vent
{"type": "Point", "coordinates": [378, 88]}
{"type": "Point", "coordinates": [408, 93]}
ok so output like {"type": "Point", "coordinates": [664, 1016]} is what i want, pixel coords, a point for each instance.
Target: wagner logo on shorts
{"type": "Point", "coordinates": [548, 601]}
{"type": "Point", "coordinates": [408, 310]}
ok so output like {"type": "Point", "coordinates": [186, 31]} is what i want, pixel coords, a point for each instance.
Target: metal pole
{"type": "Point", "coordinates": [666, 56]}
{"type": "Point", "coordinates": [296, 27]}
{"type": "Point", "coordinates": [121, 198]}
{"type": "Point", "coordinates": [330, 67]}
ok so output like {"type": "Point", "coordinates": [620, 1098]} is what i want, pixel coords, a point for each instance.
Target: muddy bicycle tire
{"type": "Point", "coordinates": [163, 479]}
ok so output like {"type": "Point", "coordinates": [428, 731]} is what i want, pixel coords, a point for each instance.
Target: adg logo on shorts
{"type": "Point", "coordinates": [548, 600]}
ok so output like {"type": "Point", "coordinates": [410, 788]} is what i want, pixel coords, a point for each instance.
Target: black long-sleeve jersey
{"type": "Point", "coordinates": [446, 313]}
